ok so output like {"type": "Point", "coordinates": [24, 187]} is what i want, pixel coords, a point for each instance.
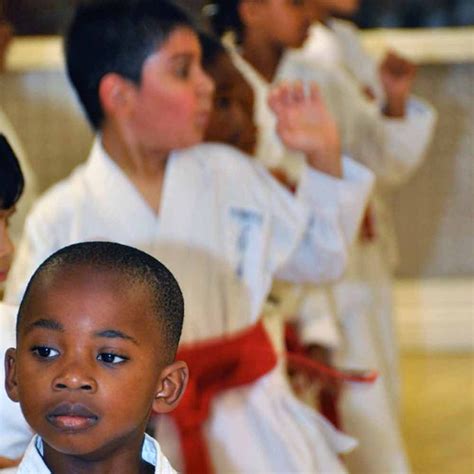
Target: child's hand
{"type": "Point", "coordinates": [397, 75]}
{"type": "Point", "coordinates": [304, 124]}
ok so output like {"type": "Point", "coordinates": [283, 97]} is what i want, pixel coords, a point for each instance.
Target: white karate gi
{"type": "Point", "coordinates": [393, 149]}
{"type": "Point", "coordinates": [15, 434]}
{"type": "Point", "coordinates": [225, 228]}
{"type": "Point", "coordinates": [33, 463]}
{"type": "Point", "coordinates": [30, 192]}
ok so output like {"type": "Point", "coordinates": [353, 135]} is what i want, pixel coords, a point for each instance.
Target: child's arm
{"type": "Point", "coordinates": [397, 75]}
{"type": "Point", "coordinates": [304, 124]}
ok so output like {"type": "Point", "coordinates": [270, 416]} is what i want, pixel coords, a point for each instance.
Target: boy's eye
{"type": "Point", "coordinates": [110, 358]}
{"type": "Point", "coordinates": [44, 352]}
{"type": "Point", "coordinates": [222, 102]}
{"type": "Point", "coordinates": [182, 69]}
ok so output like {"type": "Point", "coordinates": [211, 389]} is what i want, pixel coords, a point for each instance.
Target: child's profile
{"type": "Point", "coordinates": [97, 334]}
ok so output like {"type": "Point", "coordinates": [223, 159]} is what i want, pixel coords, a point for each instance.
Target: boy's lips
{"type": "Point", "coordinates": [72, 417]}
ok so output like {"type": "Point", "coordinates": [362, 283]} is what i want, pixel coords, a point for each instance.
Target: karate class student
{"type": "Point", "coordinates": [97, 334]}
{"type": "Point", "coordinates": [388, 141]}
{"type": "Point", "coordinates": [30, 192]}
{"type": "Point", "coordinates": [260, 34]}
{"type": "Point", "coordinates": [15, 433]}
{"type": "Point", "coordinates": [371, 338]}
{"type": "Point", "coordinates": [219, 221]}
{"type": "Point", "coordinates": [337, 43]}
{"type": "Point", "coordinates": [232, 122]}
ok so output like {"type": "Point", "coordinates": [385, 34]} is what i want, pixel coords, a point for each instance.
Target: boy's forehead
{"type": "Point", "coordinates": [81, 282]}
{"type": "Point", "coordinates": [88, 302]}
{"type": "Point", "coordinates": [182, 40]}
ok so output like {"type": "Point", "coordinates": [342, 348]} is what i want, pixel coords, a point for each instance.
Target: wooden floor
{"type": "Point", "coordinates": [438, 412]}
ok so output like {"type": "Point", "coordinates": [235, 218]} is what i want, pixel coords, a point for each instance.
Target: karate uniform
{"type": "Point", "coordinates": [355, 315]}
{"type": "Point", "coordinates": [30, 192]}
{"type": "Point", "coordinates": [33, 462]}
{"type": "Point", "coordinates": [224, 228]}
{"type": "Point", "coordinates": [15, 433]}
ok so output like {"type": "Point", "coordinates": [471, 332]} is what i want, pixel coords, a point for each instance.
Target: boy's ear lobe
{"type": "Point", "coordinates": [173, 381]}
{"type": "Point", "coordinates": [11, 384]}
{"type": "Point", "coordinates": [114, 93]}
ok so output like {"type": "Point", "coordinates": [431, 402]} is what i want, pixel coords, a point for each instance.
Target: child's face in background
{"type": "Point", "coordinates": [171, 107]}
{"type": "Point", "coordinates": [341, 7]}
{"type": "Point", "coordinates": [89, 358]}
{"type": "Point", "coordinates": [232, 116]}
{"type": "Point", "coordinates": [6, 246]}
{"type": "Point", "coordinates": [284, 22]}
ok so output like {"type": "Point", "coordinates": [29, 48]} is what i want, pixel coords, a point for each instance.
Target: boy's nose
{"type": "Point", "coordinates": [73, 378]}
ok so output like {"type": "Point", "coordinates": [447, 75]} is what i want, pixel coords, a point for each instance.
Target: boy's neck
{"type": "Point", "coordinates": [263, 56]}
{"type": "Point", "coordinates": [145, 169]}
{"type": "Point", "coordinates": [126, 461]}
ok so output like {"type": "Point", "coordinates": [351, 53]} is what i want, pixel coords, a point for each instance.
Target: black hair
{"type": "Point", "coordinates": [11, 177]}
{"type": "Point", "coordinates": [224, 16]}
{"type": "Point", "coordinates": [116, 36]}
{"type": "Point", "coordinates": [212, 48]}
{"type": "Point", "coordinates": [135, 266]}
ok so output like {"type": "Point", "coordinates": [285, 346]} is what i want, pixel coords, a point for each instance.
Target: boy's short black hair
{"type": "Point", "coordinates": [115, 36]}
{"type": "Point", "coordinates": [11, 177]}
{"type": "Point", "coordinates": [135, 266]}
{"type": "Point", "coordinates": [224, 16]}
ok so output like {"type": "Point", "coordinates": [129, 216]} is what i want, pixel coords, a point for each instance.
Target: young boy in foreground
{"type": "Point", "coordinates": [97, 334]}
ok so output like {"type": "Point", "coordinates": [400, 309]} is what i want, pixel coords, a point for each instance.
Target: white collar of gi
{"type": "Point", "coordinates": [33, 461]}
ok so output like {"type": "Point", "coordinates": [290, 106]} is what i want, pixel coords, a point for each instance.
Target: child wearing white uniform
{"type": "Point", "coordinates": [391, 142]}
{"type": "Point", "coordinates": [96, 340]}
{"type": "Point", "coordinates": [14, 431]}
{"type": "Point", "coordinates": [31, 190]}
{"type": "Point", "coordinates": [219, 221]}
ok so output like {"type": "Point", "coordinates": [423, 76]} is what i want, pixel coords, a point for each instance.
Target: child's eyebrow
{"type": "Point", "coordinates": [45, 324]}
{"type": "Point", "coordinates": [187, 56]}
{"type": "Point", "coordinates": [114, 333]}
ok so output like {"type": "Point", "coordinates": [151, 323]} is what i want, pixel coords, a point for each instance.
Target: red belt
{"type": "Point", "coordinates": [214, 366]}
{"type": "Point", "coordinates": [298, 360]}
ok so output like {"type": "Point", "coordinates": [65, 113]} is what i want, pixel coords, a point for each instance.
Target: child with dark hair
{"type": "Point", "coordinates": [260, 34]}
{"type": "Point", "coordinates": [218, 220]}
{"type": "Point", "coordinates": [14, 431]}
{"type": "Point", "coordinates": [96, 338]}
{"type": "Point", "coordinates": [30, 192]}
{"type": "Point", "coordinates": [390, 138]}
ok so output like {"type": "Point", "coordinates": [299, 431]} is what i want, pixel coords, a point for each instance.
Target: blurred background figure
{"type": "Point", "coordinates": [30, 193]}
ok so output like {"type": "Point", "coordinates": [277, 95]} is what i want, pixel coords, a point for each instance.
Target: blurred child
{"type": "Point", "coordinates": [260, 34]}
{"type": "Point", "coordinates": [390, 139]}
{"type": "Point", "coordinates": [97, 334]}
{"type": "Point", "coordinates": [15, 434]}
{"type": "Point", "coordinates": [371, 338]}
{"type": "Point", "coordinates": [219, 221]}
{"type": "Point", "coordinates": [30, 192]}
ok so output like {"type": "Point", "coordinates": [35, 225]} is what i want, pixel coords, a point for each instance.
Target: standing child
{"type": "Point", "coordinates": [6, 128]}
{"type": "Point", "coordinates": [391, 140]}
{"type": "Point", "coordinates": [97, 334]}
{"type": "Point", "coordinates": [15, 434]}
{"type": "Point", "coordinates": [219, 221]}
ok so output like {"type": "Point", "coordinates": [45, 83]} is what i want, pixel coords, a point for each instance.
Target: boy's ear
{"type": "Point", "coordinates": [173, 382]}
{"type": "Point", "coordinates": [11, 384]}
{"type": "Point", "coordinates": [115, 93]}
